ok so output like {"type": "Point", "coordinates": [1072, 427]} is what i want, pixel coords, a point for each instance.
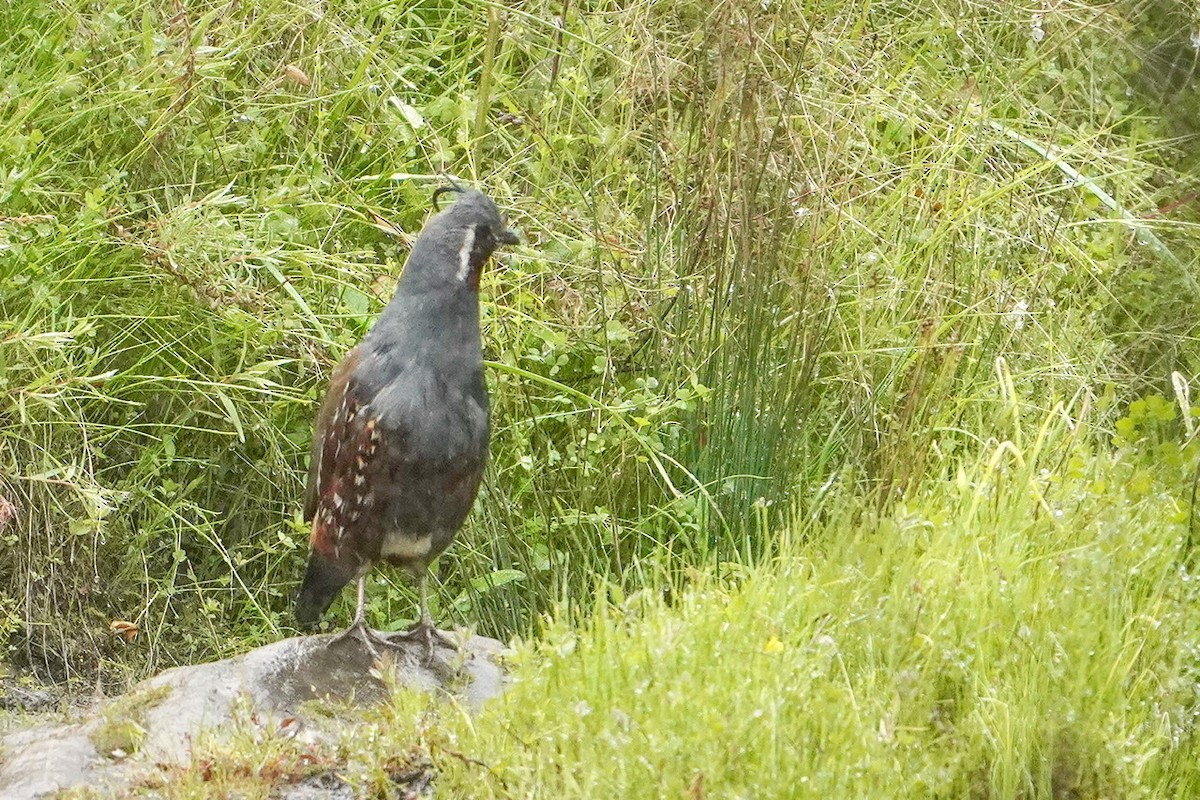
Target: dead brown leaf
{"type": "Point", "coordinates": [124, 628]}
{"type": "Point", "coordinates": [297, 75]}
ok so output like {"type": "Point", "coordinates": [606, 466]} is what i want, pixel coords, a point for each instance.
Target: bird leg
{"type": "Point", "coordinates": [358, 628]}
{"type": "Point", "coordinates": [424, 631]}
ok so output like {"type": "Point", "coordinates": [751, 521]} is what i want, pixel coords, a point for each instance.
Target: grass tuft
{"type": "Point", "coordinates": [1009, 632]}
{"type": "Point", "coordinates": [780, 254]}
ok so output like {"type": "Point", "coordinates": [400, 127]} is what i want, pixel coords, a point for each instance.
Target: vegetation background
{"type": "Point", "coordinates": [844, 436]}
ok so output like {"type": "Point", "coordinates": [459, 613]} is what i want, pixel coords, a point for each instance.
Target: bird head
{"type": "Point", "coordinates": [456, 243]}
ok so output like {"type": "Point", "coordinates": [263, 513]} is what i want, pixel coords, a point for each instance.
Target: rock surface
{"type": "Point", "coordinates": [165, 713]}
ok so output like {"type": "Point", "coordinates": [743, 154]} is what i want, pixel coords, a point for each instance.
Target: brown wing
{"type": "Point", "coordinates": [331, 430]}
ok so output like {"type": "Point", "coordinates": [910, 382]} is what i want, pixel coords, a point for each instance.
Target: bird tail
{"type": "Point", "coordinates": [322, 582]}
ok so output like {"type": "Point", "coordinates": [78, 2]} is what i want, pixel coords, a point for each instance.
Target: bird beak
{"type": "Point", "coordinates": [509, 236]}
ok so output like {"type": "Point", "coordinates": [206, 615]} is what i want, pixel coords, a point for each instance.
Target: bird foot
{"type": "Point", "coordinates": [427, 634]}
{"type": "Point", "coordinates": [360, 631]}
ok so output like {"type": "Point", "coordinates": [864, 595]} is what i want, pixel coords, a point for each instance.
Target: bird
{"type": "Point", "coordinates": [401, 437]}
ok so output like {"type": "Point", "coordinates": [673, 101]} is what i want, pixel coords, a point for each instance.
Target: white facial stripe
{"type": "Point", "coordinates": [464, 254]}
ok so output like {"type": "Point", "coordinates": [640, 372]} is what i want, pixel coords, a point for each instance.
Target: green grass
{"type": "Point", "coordinates": [1012, 632]}
{"type": "Point", "coordinates": [843, 441]}
{"type": "Point", "coordinates": [794, 270]}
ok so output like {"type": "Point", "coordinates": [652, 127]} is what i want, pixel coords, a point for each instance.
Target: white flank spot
{"type": "Point", "coordinates": [464, 254]}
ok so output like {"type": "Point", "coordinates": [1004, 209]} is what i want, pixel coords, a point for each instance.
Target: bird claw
{"type": "Point", "coordinates": [423, 632]}
{"type": "Point", "coordinates": [365, 635]}
{"type": "Point", "coordinates": [426, 633]}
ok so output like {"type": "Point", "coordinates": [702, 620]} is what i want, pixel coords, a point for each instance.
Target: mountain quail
{"type": "Point", "coordinates": [402, 434]}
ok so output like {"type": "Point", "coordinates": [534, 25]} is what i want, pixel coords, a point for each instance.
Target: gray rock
{"type": "Point", "coordinates": [158, 720]}
{"type": "Point", "coordinates": [46, 758]}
